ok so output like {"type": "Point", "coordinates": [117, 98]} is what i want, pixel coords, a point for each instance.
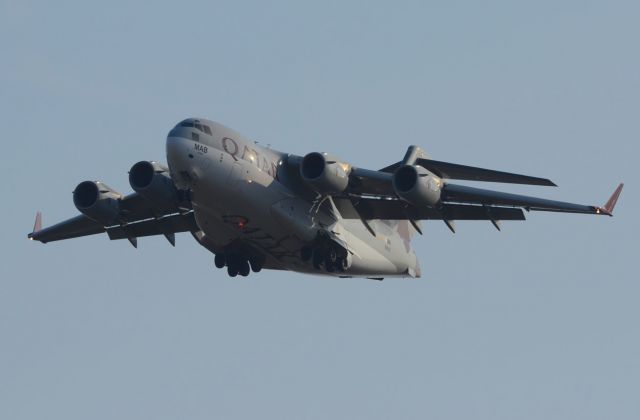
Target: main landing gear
{"type": "Point", "coordinates": [238, 263]}
{"type": "Point", "coordinates": [327, 255]}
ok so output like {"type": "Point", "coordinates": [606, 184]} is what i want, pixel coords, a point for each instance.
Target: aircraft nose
{"type": "Point", "coordinates": [180, 158]}
{"type": "Point", "coordinates": [178, 151]}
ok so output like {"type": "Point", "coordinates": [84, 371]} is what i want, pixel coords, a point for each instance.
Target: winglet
{"type": "Point", "coordinates": [37, 225]}
{"type": "Point", "coordinates": [611, 203]}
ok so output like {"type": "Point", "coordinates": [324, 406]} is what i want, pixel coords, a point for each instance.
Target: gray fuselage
{"type": "Point", "coordinates": [243, 200]}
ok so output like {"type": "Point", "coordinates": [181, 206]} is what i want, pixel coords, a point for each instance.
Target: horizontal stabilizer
{"type": "Point", "coordinates": [448, 170]}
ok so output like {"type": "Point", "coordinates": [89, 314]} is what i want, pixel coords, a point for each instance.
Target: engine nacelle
{"type": "Point", "coordinates": [416, 185]}
{"type": "Point", "coordinates": [324, 173]}
{"type": "Point", "coordinates": [97, 201]}
{"type": "Point", "coordinates": [152, 181]}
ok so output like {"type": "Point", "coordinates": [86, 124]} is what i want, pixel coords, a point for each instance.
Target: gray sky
{"type": "Point", "coordinates": [537, 321]}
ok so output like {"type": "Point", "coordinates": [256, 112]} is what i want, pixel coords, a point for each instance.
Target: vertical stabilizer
{"type": "Point", "coordinates": [413, 153]}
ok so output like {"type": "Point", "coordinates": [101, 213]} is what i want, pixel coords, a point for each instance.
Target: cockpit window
{"type": "Point", "coordinates": [197, 125]}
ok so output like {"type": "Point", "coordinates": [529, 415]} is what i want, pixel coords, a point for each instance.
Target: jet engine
{"type": "Point", "coordinates": [97, 201]}
{"type": "Point", "coordinates": [416, 185]}
{"type": "Point", "coordinates": [324, 173]}
{"type": "Point", "coordinates": [152, 181]}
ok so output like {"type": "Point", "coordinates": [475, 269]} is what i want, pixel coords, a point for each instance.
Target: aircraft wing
{"type": "Point", "coordinates": [368, 182]}
{"type": "Point", "coordinates": [465, 203]}
{"type": "Point", "coordinates": [137, 217]}
{"type": "Point", "coordinates": [71, 228]}
{"type": "Point", "coordinates": [378, 183]}
{"type": "Point", "coordinates": [372, 195]}
{"type": "Point", "coordinates": [452, 193]}
{"type": "Point", "coordinates": [83, 226]}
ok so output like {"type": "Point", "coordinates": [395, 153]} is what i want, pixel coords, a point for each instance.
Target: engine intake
{"type": "Point", "coordinates": [97, 201]}
{"type": "Point", "coordinates": [152, 181]}
{"type": "Point", "coordinates": [416, 185]}
{"type": "Point", "coordinates": [324, 173]}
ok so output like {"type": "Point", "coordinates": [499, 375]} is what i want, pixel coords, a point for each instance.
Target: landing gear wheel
{"type": "Point", "coordinates": [244, 268]}
{"type": "Point", "coordinates": [330, 261]}
{"type": "Point", "coordinates": [232, 270]}
{"type": "Point", "coordinates": [329, 265]}
{"type": "Point", "coordinates": [220, 260]}
{"type": "Point", "coordinates": [306, 253]}
{"type": "Point", "coordinates": [255, 266]}
{"type": "Point", "coordinates": [318, 258]}
{"type": "Point", "coordinates": [331, 257]}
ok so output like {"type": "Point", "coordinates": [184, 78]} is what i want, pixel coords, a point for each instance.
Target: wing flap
{"type": "Point", "coordinates": [163, 226]}
{"type": "Point", "coordinates": [370, 209]}
{"type": "Point", "coordinates": [134, 207]}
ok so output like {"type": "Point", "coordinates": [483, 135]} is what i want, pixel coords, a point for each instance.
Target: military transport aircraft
{"type": "Point", "coordinates": [254, 207]}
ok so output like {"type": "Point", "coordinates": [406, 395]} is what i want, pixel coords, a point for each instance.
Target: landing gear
{"type": "Point", "coordinates": [343, 263]}
{"type": "Point", "coordinates": [326, 253]}
{"type": "Point", "coordinates": [306, 253]}
{"type": "Point", "coordinates": [244, 268]}
{"type": "Point", "coordinates": [232, 270]}
{"type": "Point", "coordinates": [256, 264]}
{"type": "Point", "coordinates": [220, 260]}
{"type": "Point", "coordinates": [318, 258]}
{"type": "Point", "coordinates": [330, 260]}
{"type": "Point", "coordinates": [238, 262]}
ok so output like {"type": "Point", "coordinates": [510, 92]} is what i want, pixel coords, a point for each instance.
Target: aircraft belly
{"type": "Point", "coordinates": [237, 202]}
{"type": "Point", "coordinates": [237, 209]}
